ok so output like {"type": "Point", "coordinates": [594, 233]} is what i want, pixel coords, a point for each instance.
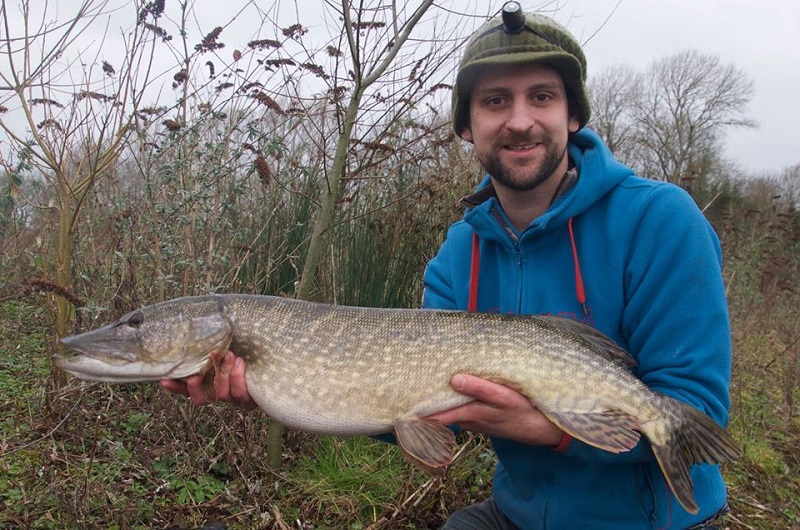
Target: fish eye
{"type": "Point", "coordinates": [136, 319]}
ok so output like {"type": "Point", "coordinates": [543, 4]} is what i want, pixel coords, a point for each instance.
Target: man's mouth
{"type": "Point", "coordinates": [523, 147]}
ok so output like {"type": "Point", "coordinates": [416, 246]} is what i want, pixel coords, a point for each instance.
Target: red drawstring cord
{"type": "Point", "coordinates": [474, 271]}
{"type": "Point", "coordinates": [579, 290]}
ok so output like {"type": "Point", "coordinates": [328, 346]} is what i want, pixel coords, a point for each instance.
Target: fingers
{"type": "Point", "coordinates": [456, 416]}
{"type": "Point", "coordinates": [191, 387]}
{"type": "Point", "coordinates": [230, 384]}
{"type": "Point", "coordinates": [238, 385]}
{"type": "Point", "coordinates": [194, 384]}
{"type": "Point", "coordinates": [493, 394]}
{"type": "Point", "coordinates": [499, 411]}
{"type": "Point", "coordinates": [222, 379]}
{"type": "Point", "coordinates": [486, 395]}
{"type": "Point", "coordinates": [176, 386]}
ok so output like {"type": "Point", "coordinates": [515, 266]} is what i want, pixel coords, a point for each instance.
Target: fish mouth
{"type": "Point", "coordinates": [103, 355]}
{"type": "Point", "coordinates": [114, 370]}
{"type": "Point", "coordinates": [107, 370]}
{"type": "Point", "coordinates": [103, 344]}
{"type": "Point", "coordinates": [94, 369]}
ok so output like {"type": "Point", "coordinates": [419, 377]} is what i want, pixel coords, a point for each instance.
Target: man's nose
{"type": "Point", "coordinates": [521, 117]}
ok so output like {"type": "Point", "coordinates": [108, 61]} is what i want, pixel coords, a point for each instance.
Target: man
{"type": "Point", "coordinates": [558, 226]}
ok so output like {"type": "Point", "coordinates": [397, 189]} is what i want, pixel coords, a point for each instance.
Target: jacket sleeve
{"type": "Point", "coordinates": [675, 315]}
{"type": "Point", "coordinates": [442, 275]}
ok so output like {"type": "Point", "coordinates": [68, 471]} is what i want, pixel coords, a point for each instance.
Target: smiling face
{"type": "Point", "coordinates": [519, 123]}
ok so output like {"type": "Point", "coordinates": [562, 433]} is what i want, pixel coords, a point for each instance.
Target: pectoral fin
{"type": "Point", "coordinates": [428, 444]}
{"type": "Point", "coordinates": [611, 430]}
{"type": "Point", "coordinates": [209, 390]}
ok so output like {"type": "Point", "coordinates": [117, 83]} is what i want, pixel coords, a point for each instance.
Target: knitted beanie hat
{"type": "Point", "coordinates": [537, 39]}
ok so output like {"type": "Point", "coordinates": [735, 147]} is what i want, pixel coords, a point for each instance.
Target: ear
{"type": "Point", "coordinates": [466, 134]}
{"type": "Point", "coordinates": [573, 124]}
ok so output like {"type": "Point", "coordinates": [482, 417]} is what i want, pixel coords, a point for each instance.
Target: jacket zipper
{"type": "Point", "coordinates": [512, 235]}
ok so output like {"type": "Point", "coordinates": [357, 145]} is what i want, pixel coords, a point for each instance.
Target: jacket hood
{"type": "Point", "coordinates": [598, 173]}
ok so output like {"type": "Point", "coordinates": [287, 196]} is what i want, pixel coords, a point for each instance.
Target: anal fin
{"type": "Point", "coordinates": [610, 430]}
{"type": "Point", "coordinates": [428, 444]}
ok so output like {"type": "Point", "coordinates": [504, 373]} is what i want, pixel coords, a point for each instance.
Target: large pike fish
{"type": "Point", "coordinates": [348, 370]}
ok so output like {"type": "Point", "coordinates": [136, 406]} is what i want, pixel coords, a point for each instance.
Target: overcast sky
{"type": "Point", "coordinates": [762, 38]}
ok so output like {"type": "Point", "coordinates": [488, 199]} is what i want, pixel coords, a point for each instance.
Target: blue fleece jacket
{"type": "Point", "coordinates": [651, 268]}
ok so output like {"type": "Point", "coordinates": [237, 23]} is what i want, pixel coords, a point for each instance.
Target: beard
{"type": "Point", "coordinates": [523, 178]}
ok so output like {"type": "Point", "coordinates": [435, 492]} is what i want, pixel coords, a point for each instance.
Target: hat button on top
{"type": "Point", "coordinates": [513, 19]}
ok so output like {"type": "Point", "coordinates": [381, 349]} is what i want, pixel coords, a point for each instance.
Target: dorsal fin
{"type": "Point", "coordinates": [595, 339]}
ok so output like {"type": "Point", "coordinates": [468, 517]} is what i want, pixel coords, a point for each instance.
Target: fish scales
{"type": "Point", "coordinates": [349, 370]}
{"type": "Point", "coordinates": [390, 349]}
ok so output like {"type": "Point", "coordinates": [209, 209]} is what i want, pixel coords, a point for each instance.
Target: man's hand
{"type": "Point", "coordinates": [229, 383]}
{"type": "Point", "coordinates": [499, 411]}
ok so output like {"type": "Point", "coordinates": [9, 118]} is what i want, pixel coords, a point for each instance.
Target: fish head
{"type": "Point", "coordinates": [169, 340]}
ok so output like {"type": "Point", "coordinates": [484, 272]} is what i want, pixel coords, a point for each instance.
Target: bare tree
{"type": "Point", "coordinates": [791, 185]}
{"type": "Point", "coordinates": [373, 35]}
{"type": "Point", "coordinates": [668, 122]}
{"type": "Point", "coordinates": [612, 93]}
{"type": "Point", "coordinates": [687, 102]}
{"type": "Point", "coordinates": [67, 113]}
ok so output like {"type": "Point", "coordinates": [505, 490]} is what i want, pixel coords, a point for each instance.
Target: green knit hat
{"type": "Point", "coordinates": [539, 40]}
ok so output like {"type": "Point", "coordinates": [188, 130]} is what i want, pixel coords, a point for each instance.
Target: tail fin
{"type": "Point", "coordinates": [694, 438]}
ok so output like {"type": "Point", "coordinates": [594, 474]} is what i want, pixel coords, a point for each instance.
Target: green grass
{"type": "Point", "coordinates": [23, 352]}
{"type": "Point", "coordinates": [764, 482]}
{"type": "Point", "coordinates": [345, 483]}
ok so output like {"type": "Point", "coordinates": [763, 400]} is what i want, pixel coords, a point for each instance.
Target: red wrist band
{"type": "Point", "coordinates": [563, 444]}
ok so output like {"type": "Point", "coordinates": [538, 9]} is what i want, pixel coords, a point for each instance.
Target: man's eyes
{"type": "Point", "coordinates": [496, 101]}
